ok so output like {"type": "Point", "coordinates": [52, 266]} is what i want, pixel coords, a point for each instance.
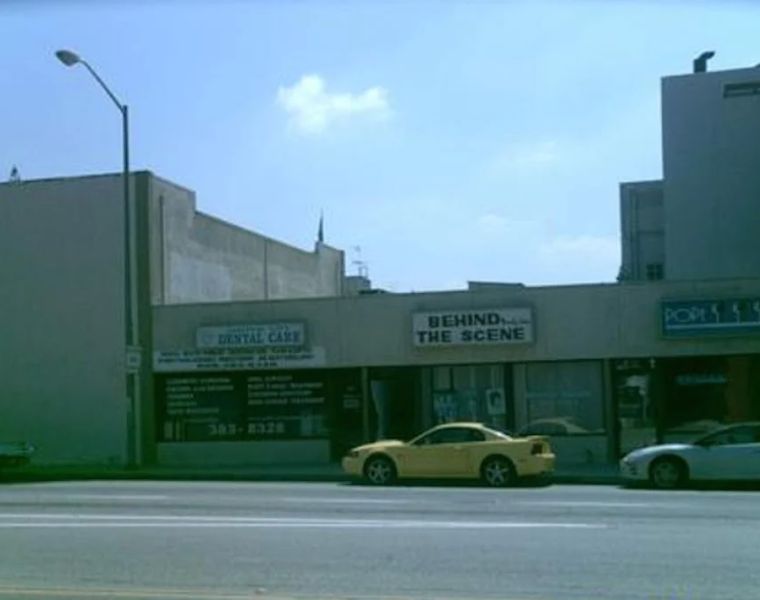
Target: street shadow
{"type": "Point", "coordinates": [703, 486]}
{"type": "Point", "coordinates": [525, 482]}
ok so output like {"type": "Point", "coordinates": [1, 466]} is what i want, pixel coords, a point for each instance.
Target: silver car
{"type": "Point", "coordinates": [728, 454]}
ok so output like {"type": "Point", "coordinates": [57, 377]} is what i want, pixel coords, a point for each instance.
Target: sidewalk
{"type": "Point", "coordinates": [597, 474]}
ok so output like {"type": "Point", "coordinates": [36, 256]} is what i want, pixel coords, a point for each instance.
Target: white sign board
{"type": "Point", "coordinates": [134, 359]}
{"type": "Point", "coordinates": [235, 360]}
{"type": "Point", "coordinates": [473, 327]}
{"type": "Point", "coordinates": [263, 335]}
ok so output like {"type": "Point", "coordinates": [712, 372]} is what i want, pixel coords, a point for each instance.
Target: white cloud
{"type": "Point", "coordinates": [583, 252]}
{"type": "Point", "coordinates": [312, 109]}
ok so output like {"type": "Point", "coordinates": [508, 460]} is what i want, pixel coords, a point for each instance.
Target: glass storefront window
{"type": "Point", "coordinates": [243, 406]}
{"type": "Point", "coordinates": [262, 406]}
{"type": "Point", "coordinates": [479, 393]}
{"type": "Point", "coordinates": [679, 399]}
{"type": "Point", "coordinates": [703, 393]}
{"type": "Point", "coordinates": [564, 398]}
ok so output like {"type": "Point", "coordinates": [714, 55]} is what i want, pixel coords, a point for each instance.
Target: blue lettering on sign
{"type": "Point", "coordinates": [735, 315]}
{"type": "Point", "coordinates": [285, 337]}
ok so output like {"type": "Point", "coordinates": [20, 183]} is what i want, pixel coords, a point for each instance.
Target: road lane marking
{"type": "Point", "coordinates": [306, 500]}
{"type": "Point", "coordinates": [592, 504]}
{"type": "Point", "coordinates": [288, 525]}
{"type": "Point", "coordinates": [15, 592]}
{"type": "Point", "coordinates": [127, 497]}
{"type": "Point", "coordinates": [64, 520]}
{"type": "Point", "coordinates": [48, 498]}
{"type": "Point", "coordinates": [189, 594]}
{"type": "Point", "coordinates": [601, 504]}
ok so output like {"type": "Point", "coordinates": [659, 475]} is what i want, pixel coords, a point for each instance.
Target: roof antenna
{"type": "Point", "coordinates": [700, 63]}
{"type": "Point", "coordinates": [362, 268]}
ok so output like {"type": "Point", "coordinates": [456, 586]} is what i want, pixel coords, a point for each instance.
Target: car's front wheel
{"type": "Point", "coordinates": [380, 470]}
{"type": "Point", "coordinates": [497, 471]}
{"type": "Point", "coordinates": [668, 473]}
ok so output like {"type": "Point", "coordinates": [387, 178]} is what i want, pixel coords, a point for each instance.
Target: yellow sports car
{"type": "Point", "coordinates": [453, 450]}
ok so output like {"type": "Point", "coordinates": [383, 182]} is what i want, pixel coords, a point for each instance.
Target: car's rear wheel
{"type": "Point", "coordinates": [497, 471]}
{"type": "Point", "coordinates": [668, 473]}
{"type": "Point", "coordinates": [379, 470]}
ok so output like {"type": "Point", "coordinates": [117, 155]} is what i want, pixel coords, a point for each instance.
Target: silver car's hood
{"type": "Point", "coordinates": [651, 451]}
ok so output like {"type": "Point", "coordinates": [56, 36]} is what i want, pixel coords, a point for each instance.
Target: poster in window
{"type": "Point", "coordinates": [445, 407]}
{"type": "Point", "coordinates": [496, 403]}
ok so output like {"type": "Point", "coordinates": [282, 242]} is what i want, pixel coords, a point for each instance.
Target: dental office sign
{"type": "Point", "coordinates": [699, 317]}
{"type": "Point", "coordinates": [263, 335]}
{"type": "Point", "coordinates": [473, 327]}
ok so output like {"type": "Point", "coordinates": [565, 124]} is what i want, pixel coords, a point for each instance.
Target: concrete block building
{"type": "Point", "coordinates": [702, 220]}
{"type": "Point", "coordinates": [62, 290]}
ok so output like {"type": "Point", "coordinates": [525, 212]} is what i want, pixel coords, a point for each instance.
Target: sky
{"type": "Point", "coordinates": [443, 141]}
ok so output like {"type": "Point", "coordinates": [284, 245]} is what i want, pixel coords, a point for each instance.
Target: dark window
{"type": "Point", "coordinates": [452, 435]}
{"type": "Point", "coordinates": [654, 271]}
{"type": "Point", "coordinates": [545, 429]}
{"type": "Point", "coordinates": [732, 436]}
{"type": "Point", "coordinates": [737, 90]}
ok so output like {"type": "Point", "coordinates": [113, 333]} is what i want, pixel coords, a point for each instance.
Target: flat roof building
{"type": "Point", "coordinates": [62, 301]}
{"type": "Point", "coordinates": [702, 220]}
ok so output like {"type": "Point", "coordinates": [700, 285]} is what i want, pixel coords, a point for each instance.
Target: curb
{"type": "Point", "coordinates": [52, 475]}
{"type": "Point", "coordinates": [44, 475]}
{"type": "Point", "coordinates": [587, 480]}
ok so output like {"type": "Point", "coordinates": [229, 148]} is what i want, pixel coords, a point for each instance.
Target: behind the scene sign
{"type": "Point", "coordinates": [468, 327]}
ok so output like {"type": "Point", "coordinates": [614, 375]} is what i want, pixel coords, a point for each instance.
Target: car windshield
{"type": "Point", "coordinates": [742, 434]}
{"type": "Point", "coordinates": [497, 432]}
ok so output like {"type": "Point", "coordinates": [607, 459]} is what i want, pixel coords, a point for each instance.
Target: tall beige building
{"type": "Point", "coordinates": [62, 302]}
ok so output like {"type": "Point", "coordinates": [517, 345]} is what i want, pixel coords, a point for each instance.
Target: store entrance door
{"type": "Point", "coordinates": [346, 411]}
{"type": "Point", "coordinates": [393, 403]}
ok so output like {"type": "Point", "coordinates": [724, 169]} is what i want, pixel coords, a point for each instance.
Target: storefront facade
{"type": "Point", "coordinates": [600, 369]}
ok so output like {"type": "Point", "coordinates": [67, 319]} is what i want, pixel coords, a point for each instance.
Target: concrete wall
{"type": "Point", "coordinates": [205, 259]}
{"type": "Point", "coordinates": [712, 179]}
{"type": "Point", "coordinates": [242, 454]}
{"type": "Point", "coordinates": [571, 323]}
{"type": "Point", "coordinates": [642, 228]}
{"type": "Point", "coordinates": [62, 312]}
{"type": "Point", "coordinates": [353, 285]}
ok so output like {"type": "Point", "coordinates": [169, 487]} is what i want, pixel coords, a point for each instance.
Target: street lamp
{"type": "Point", "coordinates": [70, 59]}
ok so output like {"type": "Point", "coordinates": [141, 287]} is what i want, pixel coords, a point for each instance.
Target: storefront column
{"type": "Point", "coordinates": [611, 417]}
{"type": "Point", "coordinates": [366, 399]}
{"type": "Point", "coordinates": [657, 398]}
{"type": "Point", "coordinates": [519, 395]}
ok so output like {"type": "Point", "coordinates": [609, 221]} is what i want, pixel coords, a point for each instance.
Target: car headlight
{"type": "Point", "coordinates": [352, 454]}
{"type": "Point", "coordinates": [634, 456]}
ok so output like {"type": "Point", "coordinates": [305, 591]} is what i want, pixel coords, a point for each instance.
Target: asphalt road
{"type": "Point", "coordinates": [226, 541]}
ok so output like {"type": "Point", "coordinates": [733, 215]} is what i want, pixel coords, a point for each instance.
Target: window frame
{"type": "Point", "coordinates": [707, 440]}
{"type": "Point", "coordinates": [420, 441]}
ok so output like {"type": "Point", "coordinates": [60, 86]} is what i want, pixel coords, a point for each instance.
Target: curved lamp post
{"type": "Point", "coordinates": [70, 59]}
